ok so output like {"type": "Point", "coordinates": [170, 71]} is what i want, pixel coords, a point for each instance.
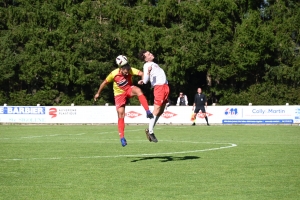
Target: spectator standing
{"type": "Point", "coordinates": [182, 100]}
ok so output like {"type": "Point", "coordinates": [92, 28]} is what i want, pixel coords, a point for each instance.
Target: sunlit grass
{"type": "Point", "coordinates": [88, 162]}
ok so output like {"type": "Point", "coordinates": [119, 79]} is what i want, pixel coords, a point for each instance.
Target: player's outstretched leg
{"type": "Point", "coordinates": [121, 127]}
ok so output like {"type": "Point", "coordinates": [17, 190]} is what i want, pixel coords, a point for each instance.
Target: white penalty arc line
{"type": "Point", "coordinates": [166, 153]}
{"type": "Point", "coordinates": [231, 145]}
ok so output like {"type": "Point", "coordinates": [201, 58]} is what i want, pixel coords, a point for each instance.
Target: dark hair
{"type": "Point", "coordinates": [126, 66]}
{"type": "Point", "coordinates": [141, 55]}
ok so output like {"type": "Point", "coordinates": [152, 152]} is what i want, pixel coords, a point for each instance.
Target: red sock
{"type": "Point", "coordinates": [144, 102]}
{"type": "Point", "coordinates": [121, 127]}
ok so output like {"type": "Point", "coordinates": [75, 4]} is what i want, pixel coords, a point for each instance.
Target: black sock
{"type": "Point", "coordinates": [206, 119]}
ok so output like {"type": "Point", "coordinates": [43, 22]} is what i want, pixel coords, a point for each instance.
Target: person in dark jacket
{"type": "Point", "coordinates": [200, 104]}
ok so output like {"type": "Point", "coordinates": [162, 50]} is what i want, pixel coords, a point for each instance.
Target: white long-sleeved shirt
{"type": "Point", "coordinates": [153, 72]}
{"type": "Point", "coordinates": [185, 100]}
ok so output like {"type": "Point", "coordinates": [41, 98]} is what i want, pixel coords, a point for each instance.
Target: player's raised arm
{"type": "Point", "coordinates": [102, 85]}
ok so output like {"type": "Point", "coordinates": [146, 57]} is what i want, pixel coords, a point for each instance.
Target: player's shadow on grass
{"type": "Point", "coordinates": [166, 158]}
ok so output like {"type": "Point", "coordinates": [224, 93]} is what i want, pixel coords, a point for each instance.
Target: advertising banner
{"type": "Point", "coordinates": [23, 114]}
{"type": "Point", "coordinates": [259, 115]}
{"type": "Point", "coordinates": [137, 115]}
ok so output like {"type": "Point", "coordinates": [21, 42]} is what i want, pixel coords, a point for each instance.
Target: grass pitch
{"type": "Point", "coordinates": [88, 162]}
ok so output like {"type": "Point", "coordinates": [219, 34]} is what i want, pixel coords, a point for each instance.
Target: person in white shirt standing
{"type": "Point", "coordinates": [182, 100]}
{"type": "Point", "coordinates": [158, 80]}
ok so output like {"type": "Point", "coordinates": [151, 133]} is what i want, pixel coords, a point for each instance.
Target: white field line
{"type": "Point", "coordinates": [165, 153]}
{"type": "Point", "coordinates": [29, 137]}
{"type": "Point", "coordinates": [41, 136]}
{"type": "Point", "coordinates": [228, 145]}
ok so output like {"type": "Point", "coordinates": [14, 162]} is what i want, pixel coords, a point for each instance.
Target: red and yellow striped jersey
{"type": "Point", "coordinates": [121, 82]}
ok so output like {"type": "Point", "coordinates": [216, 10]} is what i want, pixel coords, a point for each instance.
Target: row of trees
{"type": "Point", "coordinates": [239, 51]}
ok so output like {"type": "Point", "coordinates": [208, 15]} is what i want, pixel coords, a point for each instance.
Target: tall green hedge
{"type": "Point", "coordinates": [58, 52]}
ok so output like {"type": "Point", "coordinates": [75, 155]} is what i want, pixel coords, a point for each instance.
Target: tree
{"type": "Point", "coordinates": [58, 53]}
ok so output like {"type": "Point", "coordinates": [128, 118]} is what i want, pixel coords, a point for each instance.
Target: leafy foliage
{"type": "Point", "coordinates": [58, 53]}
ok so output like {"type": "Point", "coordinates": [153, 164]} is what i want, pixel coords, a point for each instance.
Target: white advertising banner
{"type": "Point", "coordinates": [261, 115]}
{"type": "Point", "coordinates": [137, 115]}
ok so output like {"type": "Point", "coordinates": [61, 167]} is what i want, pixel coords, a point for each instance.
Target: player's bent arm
{"type": "Point", "coordinates": [147, 71]}
{"type": "Point", "coordinates": [137, 72]}
{"type": "Point", "coordinates": [102, 85]}
{"type": "Point", "coordinates": [141, 74]}
{"type": "Point", "coordinates": [145, 78]}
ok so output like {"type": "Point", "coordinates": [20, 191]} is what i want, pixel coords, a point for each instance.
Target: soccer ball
{"type": "Point", "coordinates": [121, 60]}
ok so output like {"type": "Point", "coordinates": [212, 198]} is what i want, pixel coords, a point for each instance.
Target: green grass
{"type": "Point", "coordinates": [88, 162]}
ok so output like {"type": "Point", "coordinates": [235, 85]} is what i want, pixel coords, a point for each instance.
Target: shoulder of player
{"type": "Point", "coordinates": [148, 64]}
{"type": "Point", "coordinates": [134, 69]}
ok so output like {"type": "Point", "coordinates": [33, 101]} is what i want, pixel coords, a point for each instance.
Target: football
{"type": "Point", "coordinates": [121, 60]}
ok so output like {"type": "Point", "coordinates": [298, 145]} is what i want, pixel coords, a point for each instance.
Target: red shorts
{"type": "Point", "coordinates": [120, 100]}
{"type": "Point", "coordinates": [161, 93]}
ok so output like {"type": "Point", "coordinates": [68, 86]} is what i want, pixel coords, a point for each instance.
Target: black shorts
{"type": "Point", "coordinates": [197, 109]}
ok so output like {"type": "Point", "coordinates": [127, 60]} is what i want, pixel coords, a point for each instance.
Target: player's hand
{"type": "Point", "coordinates": [140, 82]}
{"type": "Point", "coordinates": [96, 96]}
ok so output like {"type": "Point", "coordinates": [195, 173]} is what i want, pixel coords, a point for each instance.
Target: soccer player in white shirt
{"type": "Point", "coordinates": [161, 91]}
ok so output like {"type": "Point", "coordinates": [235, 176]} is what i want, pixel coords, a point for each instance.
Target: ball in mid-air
{"type": "Point", "coordinates": [121, 60]}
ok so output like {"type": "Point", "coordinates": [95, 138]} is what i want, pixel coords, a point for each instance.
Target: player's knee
{"type": "Point", "coordinates": [137, 91]}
